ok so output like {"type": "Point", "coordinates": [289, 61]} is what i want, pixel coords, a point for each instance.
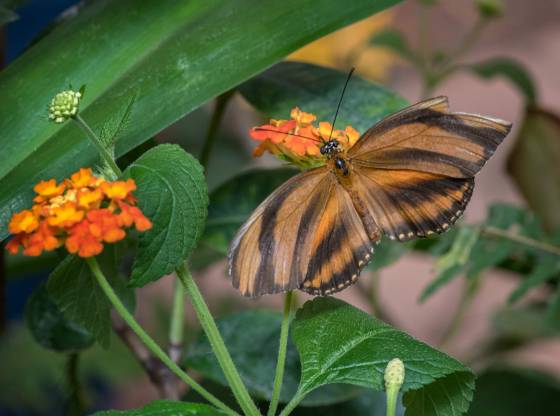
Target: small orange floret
{"type": "Point", "coordinates": [82, 213]}
{"type": "Point", "coordinates": [297, 140]}
{"type": "Point", "coordinates": [41, 240]}
{"type": "Point", "coordinates": [80, 241]}
{"type": "Point", "coordinates": [118, 189]}
{"type": "Point", "coordinates": [132, 215]}
{"type": "Point", "coordinates": [65, 215]}
{"type": "Point", "coordinates": [48, 189]}
{"type": "Point", "coordinates": [84, 177]}
{"type": "Point", "coordinates": [89, 199]}
{"type": "Point", "coordinates": [23, 222]}
{"type": "Point", "coordinates": [104, 225]}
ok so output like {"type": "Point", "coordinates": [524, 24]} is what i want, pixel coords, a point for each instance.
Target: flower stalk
{"type": "Point", "coordinates": [281, 363]}
{"type": "Point", "coordinates": [147, 340]}
{"type": "Point", "coordinates": [394, 379]}
{"type": "Point", "coordinates": [218, 346]}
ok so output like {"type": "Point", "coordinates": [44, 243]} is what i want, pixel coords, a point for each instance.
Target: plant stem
{"type": "Point", "coordinates": [177, 322]}
{"type": "Point", "coordinates": [280, 364]}
{"type": "Point", "coordinates": [219, 109]}
{"type": "Point", "coordinates": [76, 405]}
{"type": "Point", "coordinates": [218, 346]}
{"type": "Point", "coordinates": [103, 152]}
{"type": "Point", "coordinates": [392, 396]}
{"type": "Point", "coordinates": [459, 316]}
{"type": "Point", "coordinates": [292, 404]}
{"type": "Point", "coordinates": [520, 239]}
{"type": "Point", "coordinates": [148, 341]}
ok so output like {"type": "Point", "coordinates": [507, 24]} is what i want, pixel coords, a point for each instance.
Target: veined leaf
{"type": "Point", "coordinates": [172, 193]}
{"type": "Point", "coordinates": [166, 408]}
{"type": "Point", "coordinates": [49, 327]}
{"type": "Point", "coordinates": [316, 90]}
{"type": "Point", "coordinates": [247, 335]}
{"type": "Point", "coordinates": [338, 343]}
{"type": "Point", "coordinates": [176, 54]}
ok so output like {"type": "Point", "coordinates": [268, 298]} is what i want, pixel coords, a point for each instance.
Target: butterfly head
{"type": "Point", "coordinates": [330, 148]}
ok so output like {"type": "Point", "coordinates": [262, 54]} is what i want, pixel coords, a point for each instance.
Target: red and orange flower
{"type": "Point", "coordinates": [81, 213]}
{"type": "Point", "coordinates": [297, 140]}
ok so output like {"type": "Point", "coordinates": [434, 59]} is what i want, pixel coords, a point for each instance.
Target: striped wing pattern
{"type": "Point", "coordinates": [306, 235]}
{"type": "Point", "coordinates": [426, 137]}
{"type": "Point", "coordinates": [411, 175]}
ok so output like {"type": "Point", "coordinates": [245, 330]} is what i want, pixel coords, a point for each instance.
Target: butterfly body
{"type": "Point", "coordinates": [409, 176]}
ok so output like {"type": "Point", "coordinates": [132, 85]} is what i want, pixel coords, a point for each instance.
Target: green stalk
{"type": "Point", "coordinates": [292, 404]}
{"type": "Point", "coordinates": [148, 341]}
{"type": "Point", "coordinates": [392, 396]}
{"type": "Point", "coordinates": [280, 364]}
{"type": "Point", "coordinates": [177, 321]}
{"type": "Point", "coordinates": [221, 104]}
{"type": "Point", "coordinates": [103, 152]}
{"type": "Point", "coordinates": [218, 346]}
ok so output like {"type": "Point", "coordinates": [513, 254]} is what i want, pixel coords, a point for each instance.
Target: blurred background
{"type": "Point", "coordinates": [528, 32]}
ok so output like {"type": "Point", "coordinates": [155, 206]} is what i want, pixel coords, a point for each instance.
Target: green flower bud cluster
{"type": "Point", "coordinates": [64, 105]}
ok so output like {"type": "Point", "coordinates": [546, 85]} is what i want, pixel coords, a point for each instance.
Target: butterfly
{"type": "Point", "coordinates": [410, 175]}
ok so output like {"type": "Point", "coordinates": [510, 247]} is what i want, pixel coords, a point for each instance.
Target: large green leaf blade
{"type": "Point", "coordinates": [247, 335]}
{"type": "Point", "coordinates": [166, 408]}
{"type": "Point", "coordinates": [172, 193]}
{"type": "Point", "coordinates": [341, 344]}
{"type": "Point", "coordinates": [317, 90]}
{"type": "Point", "coordinates": [174, 55]}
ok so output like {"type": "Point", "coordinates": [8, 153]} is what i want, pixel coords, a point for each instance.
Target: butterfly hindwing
{"type": "Point", "coordinates": [427, 137]}
{"type": "Point", "coordinates": [306, 235]}
{"type": "Point", "coordinates": [407, 204]}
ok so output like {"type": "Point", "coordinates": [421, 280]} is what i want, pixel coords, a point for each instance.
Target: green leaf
{"type": "Point", "coordinates": [172, 194]}
{"type": "Point", "coordinates": [234, 201]}
{"type": "Point", "coordinates": [368, 403]}
{"type": "Point", "coordinates": [79, 297]}
{"type": "Point", "coordinates": [515, 392]}
{"type": "Point", "coordinates": [317, 90]}
{"type": "Point", "coordinates": [553, 311]}
{"type": "Point", "coordinates": [452, 263]}
{"type": "Point", "coordinates": [393, 40]}
{"type": "Point", "coordinates": [166, 408]}
{"type": "Point", "coordinates": [49, 327]}
{"type": "Point", "coordinates": [176, 54]}
{"type": "Point", "coordinates": [75, 291]}
{"type": "Point", "coordinates": [512, 70]}
{"type": "Point", "coordinates": [546, 267]}
{"type": "Point", "coordinates": [7, 16]}
{"type": "Point", "coordinates": [338, 343]}
{"type": "Point", "coordinates": [537, 151]}
{"type": "Point", "coordinates": [518, 325]}
{"type": "Point", "coordinates": [247, 335]}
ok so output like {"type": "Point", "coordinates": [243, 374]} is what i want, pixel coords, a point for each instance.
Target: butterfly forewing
{"type": "Point", "coordinates": [427, 137]}
{"type": "Point", "coordinates": [306, 235]}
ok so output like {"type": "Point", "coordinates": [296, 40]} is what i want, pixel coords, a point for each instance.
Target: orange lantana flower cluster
{"type": "Point", "coordinates": [81, 213]}
{"type": "Point", "coordinates": [297, 140]}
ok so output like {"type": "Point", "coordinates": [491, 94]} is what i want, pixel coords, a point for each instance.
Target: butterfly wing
{"type": "Point", "coordinates": [427, 137]}
{"type": "Point", "coordinates": [407, 204]}
{"type": "Point", "coordinates": [306, 235]}
{"type": "Point", "coordinates": [415, 169]}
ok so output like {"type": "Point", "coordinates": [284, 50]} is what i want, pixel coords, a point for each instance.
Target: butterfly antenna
{"type": "Point", "coordinates": [290, 134]}
{"type": "Point", "coordinates": [340, 101]}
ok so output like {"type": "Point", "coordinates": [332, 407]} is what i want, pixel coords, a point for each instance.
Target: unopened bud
{"type": "Point", "coordinates": [394, 374]}
{"type": "Point", "coordinates": [64, 105]}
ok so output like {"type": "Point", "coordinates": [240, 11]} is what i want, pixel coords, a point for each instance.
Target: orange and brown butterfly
{"type": "Point", "coordinates": [410, 175]}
